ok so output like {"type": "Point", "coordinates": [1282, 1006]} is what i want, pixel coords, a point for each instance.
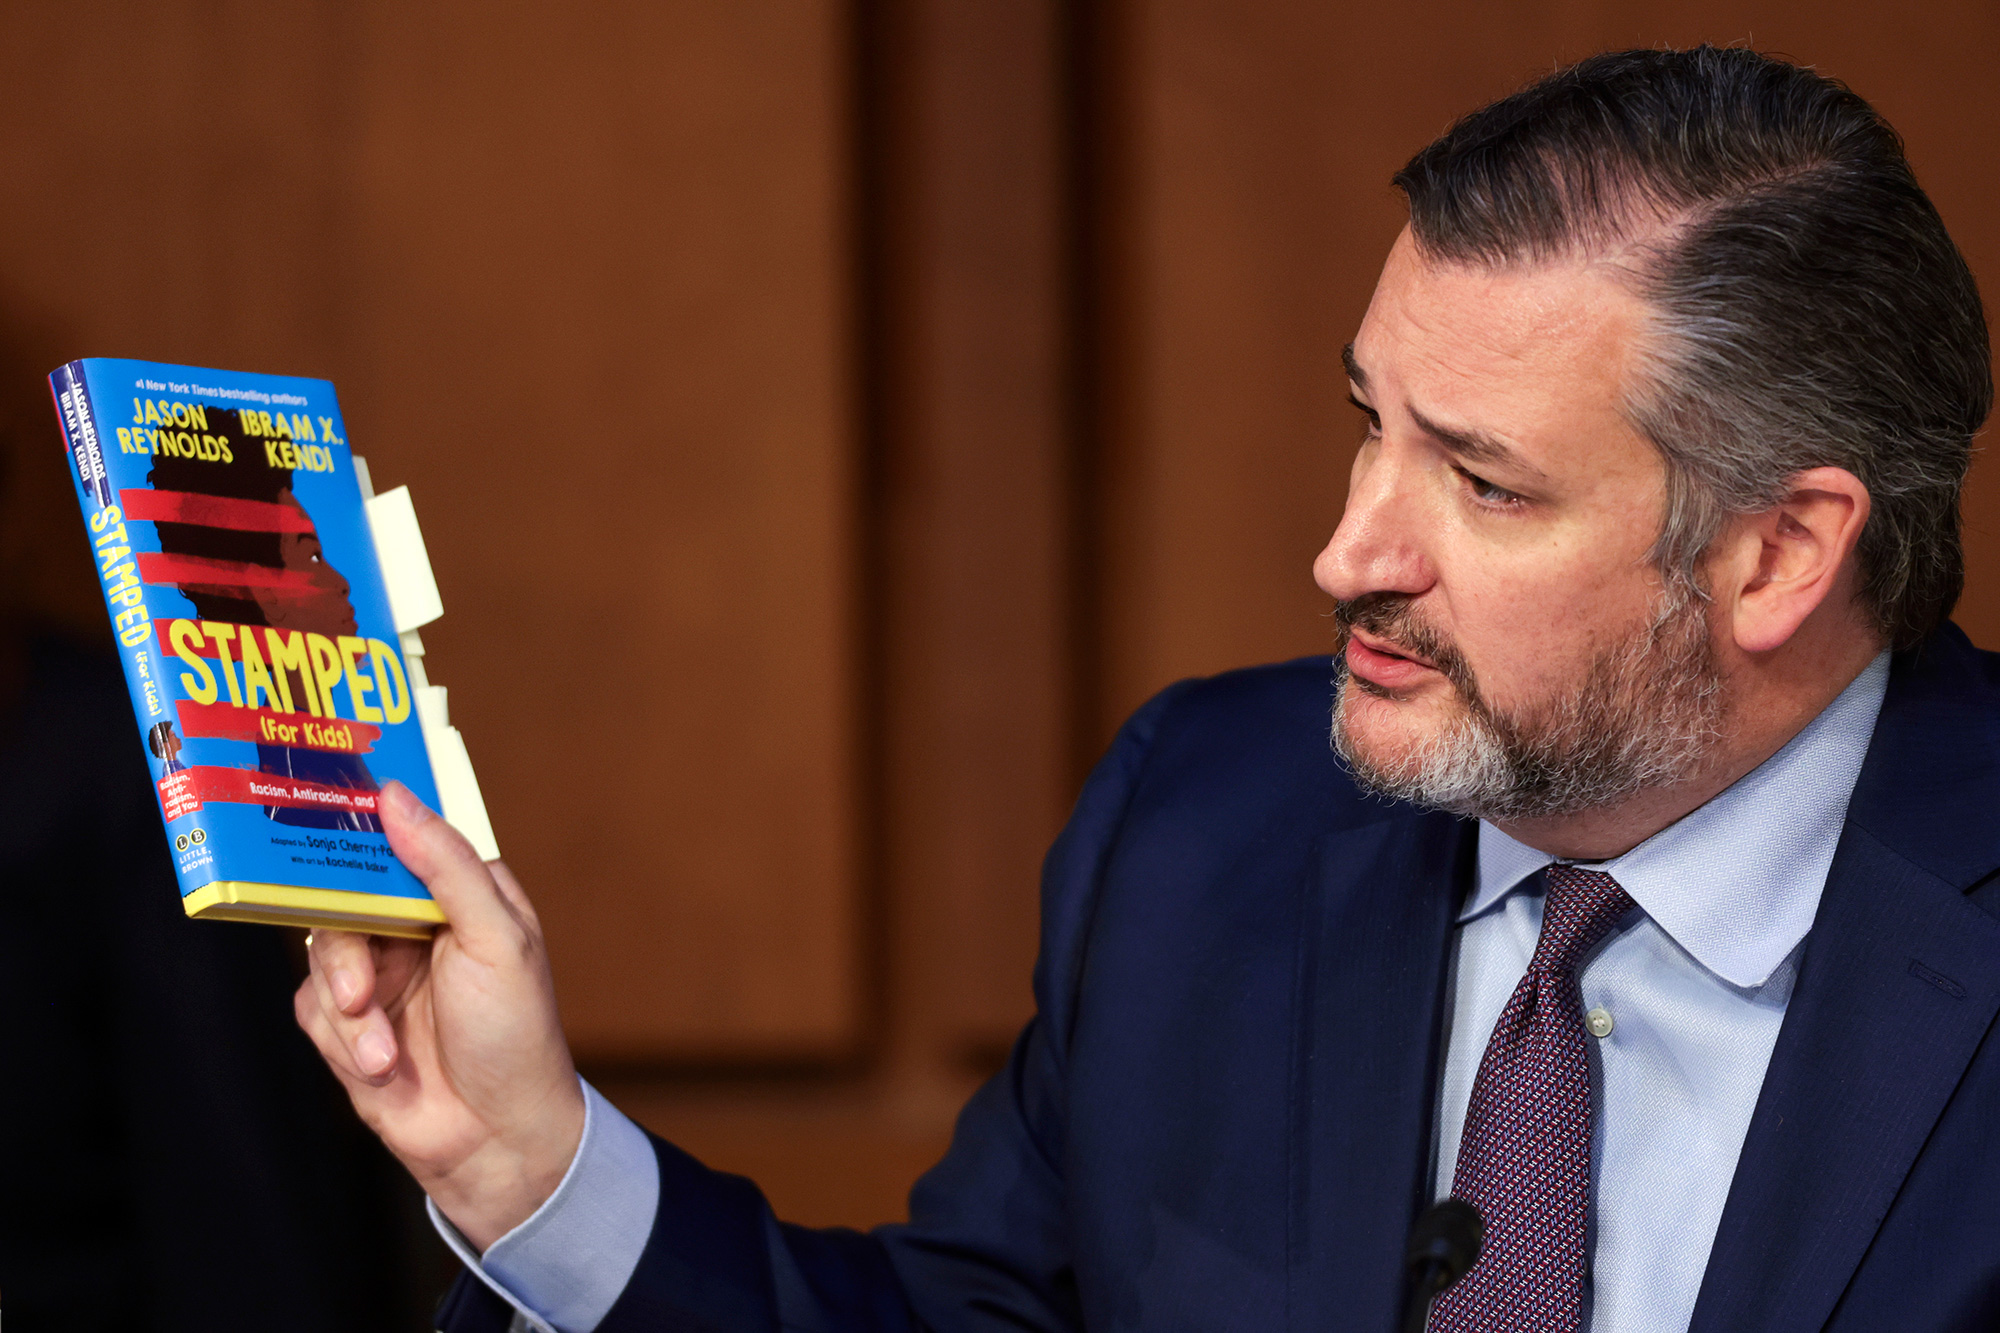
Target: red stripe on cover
{"type": "Point", "coordinates": [226, 576]}
{"type": "Point", "coordinates": [214, 511]}
{"type": "Point", "coordinates": [268, 726]}
{"type": "Point", "coordinates": [184, 792]}
{"type": "Point", "coordinates": [205, 648]}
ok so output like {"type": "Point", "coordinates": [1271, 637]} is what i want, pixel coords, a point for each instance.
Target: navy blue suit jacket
{"type": "Point", "coordinates": [1220, 1116]}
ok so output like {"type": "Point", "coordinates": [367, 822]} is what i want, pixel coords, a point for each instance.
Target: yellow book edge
{"type": "Point", "coordinates": [288, 905]}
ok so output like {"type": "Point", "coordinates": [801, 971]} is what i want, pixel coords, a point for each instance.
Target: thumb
{"type": "Point", "coordinates": [440, 856]}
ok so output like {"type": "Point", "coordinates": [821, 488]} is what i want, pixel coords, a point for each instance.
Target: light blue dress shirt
{"type": "Point", "coordinates": [1696, 984]}
{"type": "Point", "coordinates": [563, 1268]}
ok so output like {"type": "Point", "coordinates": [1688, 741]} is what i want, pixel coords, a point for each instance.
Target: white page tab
{"type": "Point", "coordinates": [406, 566]}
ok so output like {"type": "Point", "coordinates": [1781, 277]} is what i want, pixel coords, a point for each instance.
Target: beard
{"type": "Point", "coordinates": [1646, 712]}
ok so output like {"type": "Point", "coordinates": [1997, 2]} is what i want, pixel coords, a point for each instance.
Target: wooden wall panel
{"type": "Point", "coordinates": [609, 349]}
{"type": "Point", "coordinates": [1242, 244]}
{"type": "Point", "coordinates": [975, 501]}
{"type": "Point", "coordinates": [1254, 149]}
{"type": "Point", "coordinates": [582, 277]}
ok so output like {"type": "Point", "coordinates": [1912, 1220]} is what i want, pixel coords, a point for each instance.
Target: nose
{"type": "Point", "coordinates": [1380, 543]}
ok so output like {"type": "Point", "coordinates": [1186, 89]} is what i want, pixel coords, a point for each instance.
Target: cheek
{"type": "Point", "coordinates": [1525, 632]}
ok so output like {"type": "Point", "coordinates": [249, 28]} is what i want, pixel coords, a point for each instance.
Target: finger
{"type": "Point", "coordinates": [439, 855]}
{"type": "Point", "coordinates": [358, 1024]}
{"type": "Point", "coordinates": [399, 964]}
{"type": "Point", "coordinates": [511, 890]}
{"type": "Point", "coordinates": [313, 1021]}
{"type": "Point", "coordinates": [360, 1048]}
{"type": "Point", "coordinates": [340, 961]}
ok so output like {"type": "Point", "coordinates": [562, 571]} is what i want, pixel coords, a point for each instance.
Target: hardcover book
{"type": "Point", "coordinates": [275, 686]}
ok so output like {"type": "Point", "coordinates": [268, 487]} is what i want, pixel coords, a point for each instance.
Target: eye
{"type": "Point", "coordinates": [1374, 417]}
{"type": "Point", "coordinates": [1486, 493]}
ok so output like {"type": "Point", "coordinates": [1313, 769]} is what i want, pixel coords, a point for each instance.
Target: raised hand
{"type": "Point", "coordinates": [451, 1049]}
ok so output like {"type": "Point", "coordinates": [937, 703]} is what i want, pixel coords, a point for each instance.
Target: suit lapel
{"type": "Point", "coordinates": [1374, 943]}
{"type": "Point", "coordinates": [1899, 983]}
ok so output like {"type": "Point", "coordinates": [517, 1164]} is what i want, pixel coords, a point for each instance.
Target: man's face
{"type": "Point", "coordinates": [1511, 647]}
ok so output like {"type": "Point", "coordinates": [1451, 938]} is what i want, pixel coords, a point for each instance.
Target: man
{"type": "Point", "coordinates": [1649, 905]}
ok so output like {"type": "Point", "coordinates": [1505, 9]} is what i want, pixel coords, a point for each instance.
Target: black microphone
{"type": "Point", "coordinates": [1444, 1245]}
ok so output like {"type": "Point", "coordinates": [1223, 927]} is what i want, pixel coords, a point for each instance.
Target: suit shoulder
{"type": "Point", "coordinates": [1950, 647]}
{"type": "Point", "coordinates": [1277, 703]}
{"type": "Point", "coordinates": [1257, 736]}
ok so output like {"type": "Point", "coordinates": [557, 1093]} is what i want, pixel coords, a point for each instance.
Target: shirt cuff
{"type": "Point", "coordinates": [565, 1267]}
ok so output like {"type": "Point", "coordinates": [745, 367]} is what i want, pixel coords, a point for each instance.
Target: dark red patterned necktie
{"type": "Point", "coordinates": [1524, 1158]}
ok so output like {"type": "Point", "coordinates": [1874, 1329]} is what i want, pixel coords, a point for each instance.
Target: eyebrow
{"type": "Point", "coordinates": [1354, 370]}
{"type": "Point", "coordinates": [1474, 446]}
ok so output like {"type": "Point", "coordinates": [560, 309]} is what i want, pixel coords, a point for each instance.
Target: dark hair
{"type": "Point", "coordinates": [247, 475]}
{"type": "Point", "coordinates": [1808, 308]}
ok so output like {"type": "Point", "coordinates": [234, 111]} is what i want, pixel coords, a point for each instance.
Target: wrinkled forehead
{"type": "Point", "coordinates": [1513, 337]}
{"type": "Point", "coordinates": [1535, 358]}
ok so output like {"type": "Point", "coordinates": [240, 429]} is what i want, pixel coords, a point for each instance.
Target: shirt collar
{"type": "Point", "coordinates": [1737, 882]}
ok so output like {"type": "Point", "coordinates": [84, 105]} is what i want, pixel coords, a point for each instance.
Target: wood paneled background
{"type": "Point", "coordinates": [829, 419]}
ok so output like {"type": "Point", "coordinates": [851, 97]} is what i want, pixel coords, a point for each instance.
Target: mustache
{"type": "Point", "coordinates": [1393, 617]}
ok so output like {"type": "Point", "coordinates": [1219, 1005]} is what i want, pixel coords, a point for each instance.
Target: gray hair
{"type": "Point", "coordinates": [1808, 308]}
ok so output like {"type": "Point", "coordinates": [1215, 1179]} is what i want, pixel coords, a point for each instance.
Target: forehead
{"type": "Point", "coordinates": [1537, 354]}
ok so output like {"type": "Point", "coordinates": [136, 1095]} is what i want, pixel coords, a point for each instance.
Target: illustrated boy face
{"type": "Point", "coordinates": [322, 605]}
{"type": "Point", "coordinates": [170, 744]}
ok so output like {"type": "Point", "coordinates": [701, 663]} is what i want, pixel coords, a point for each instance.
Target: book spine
{"type": "Point", "coordinates": [80, 427]}
{"type": "Point", "coordinates": [118, 579]}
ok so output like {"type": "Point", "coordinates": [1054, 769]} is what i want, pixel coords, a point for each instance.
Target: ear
{"type": "Point", "coordinates": [1782, 564]}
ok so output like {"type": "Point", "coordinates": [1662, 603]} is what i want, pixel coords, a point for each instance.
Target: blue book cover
{"type": "Point", "coordinates": [228, 529]}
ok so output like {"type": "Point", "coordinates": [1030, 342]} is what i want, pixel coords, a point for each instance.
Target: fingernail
{"type": "Point", "coordinates": [405, 801]}
{"type": "Point", "coordinates": [345, 987]}
{"type": "Point", "coordinates": [373, 1053]}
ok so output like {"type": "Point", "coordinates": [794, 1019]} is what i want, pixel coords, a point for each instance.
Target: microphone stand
{"type": "Point", "coordinates": [1444, 1245]}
